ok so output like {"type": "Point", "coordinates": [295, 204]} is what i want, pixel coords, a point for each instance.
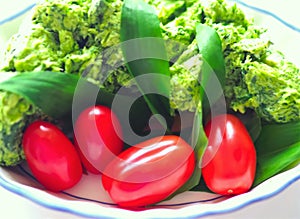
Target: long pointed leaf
{"type": "Point", "coordinates": [199, 141]}
{"type": "Point", "coordinates": [212, 80]}
{"type": "Point", "coordinates": [54, 93]}
{"type": "Point", "coordinates": [252, 122]}
{"type": "Point", "coordinates": [144, 51]}
{"type": "Point", "coordinates": [274, 137]}
{"type": "Point", "coordinates": [209, 45]}
{"type": "Point", "coordinates": [50, 91]}
{"type": "Point", "coordinates": [273, 163]}
{"type": "Point", "coordinates": [278, 148]}
{"type": "Point", "coordinates": [212, 76]}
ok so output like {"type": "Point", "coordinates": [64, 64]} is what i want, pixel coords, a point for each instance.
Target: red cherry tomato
{"type": "Point", "coordinates": [87, 165]}
{"type": "Point", "coordinates": [98, 135]}
{"type": "Point", "coordinates": [229, 162]}
{"type": "Point", "coordinates": [51, 156]}
{"type": "Point", "coordinates": [149, 172]}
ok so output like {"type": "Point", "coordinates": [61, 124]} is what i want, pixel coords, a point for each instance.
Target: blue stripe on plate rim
{"type": "Point", "coordinates": [22, 169]}
{"type": "Point", "coordinates": [261, 10]}
{"type": "Point", "coordinates": [266, 12]}
{"type": "Point", "coordinates": [17, 14]}
{"type": "Point", "coordinates": [17, 190]}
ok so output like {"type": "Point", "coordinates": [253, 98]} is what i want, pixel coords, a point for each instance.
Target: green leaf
{"type": "Point", "coordinates": [52, 92]}
{"type": "Point", "coordinates": [199, 142]}
{"type": "Point", "coordinates": [144, 51]}
{"type": "Point", "coordinates": [212, 80]}
{"type": "Point", "coordinates": [274, 137]}
{"type": "Point", "coordinates": [252, 123]}
{"type": "Point", "coordinates": [273, 163]}
{"type": "Point", "coordinates": [278, 149]}
{"type": "Point", "coordinates": [212, 76]}
{"type": "Point", "coordinates": [63, 96]}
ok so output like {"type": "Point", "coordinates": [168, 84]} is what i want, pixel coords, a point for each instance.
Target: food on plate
{"type": "Point", "coordinates": [229, 162]}
{"type": "Point", "coordinates": [85, 39]}
{"type": "Point", "coordinates": [149, 171]}
{"type": "Point", "coordinates": [16, 114]}
{"type": "Point", "coordinates": [68, 36]}
{"type": "Point", "coordinates": [51, 156]}
{"type": "Point", "coordinates": [98, 136]}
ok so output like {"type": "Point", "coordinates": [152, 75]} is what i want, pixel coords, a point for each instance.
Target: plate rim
{"type": "Point", "coordinates": [17, 14]}
{"type": "Point", "coordinates": [284, 185]}
{"type": "Point", "coordinates": [188, 211]}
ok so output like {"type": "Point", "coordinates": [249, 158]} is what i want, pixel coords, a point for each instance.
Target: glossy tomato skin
{"type": "Point", "coordinates": [229, 162]}
{"type": "Point", "coordinates": [51, 156]}
{"type": "Point", "coordinates": [98, 136]}
{"type": "Point", "coordinates": [149, 172]}
{"type": "Point", "coordinates": [86, 164]}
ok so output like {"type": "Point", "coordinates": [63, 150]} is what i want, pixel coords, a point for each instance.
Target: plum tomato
{"type": "Point", "coordinates": [149, 172]}
{"type": "Point", "coordinates": [86, 164]}
{"type": "Point", "coordinates": [98, 136]}
{"type": "Point", "coordinates": [51, 156]}
{"type": "Point", "coordinates": [229, 162]}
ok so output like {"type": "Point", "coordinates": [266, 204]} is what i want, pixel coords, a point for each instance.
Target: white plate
{"type": "Point", "coordinates": [11, 15]}
{"type": "Point", "coordinates": [88, 198]}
